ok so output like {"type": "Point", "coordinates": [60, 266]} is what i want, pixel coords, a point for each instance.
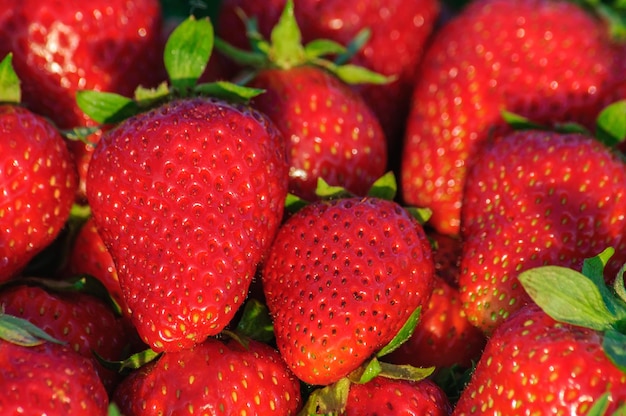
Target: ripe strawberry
{"type": "Point", "coordinates": [385, 396]}
{"type": "Point", "coordinates": [536, 198]}
{"type": "Point", "coordinates": [447, 257]}
{"type": "Point", "coordinates": [216, 377]}
{"type": "Point", "coordinates": [84, 322]}
{"type": "Point", "coordinates": [39, 184]}
{"type": "Point", "coordinates": [48, 379]}
{"type": "Point", "coordinates": [535, 365]}
{"type": "Point", "coordinates": [332, 133]}
{"type": "Point", "coordinates": [341, 278]}
{"type": "Point", "coordinates": [443, 336]}
{"type": "Point", "coordinates": [62, 47]}
{"type": "Point", "coordinates": [187, 198]}
{"type": "Point", "coordinates": [90, 256]}
{"type": "Point", "coordinates": [399, 33]}
{"type": "Point", "coordinates": [547, 60]}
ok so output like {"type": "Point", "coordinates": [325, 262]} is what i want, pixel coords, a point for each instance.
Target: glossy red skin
{"type": "Point", "coordinates": [340, 280]}
{"type": "Point", "coordinates": [84, 322]}
{"type": "Point", "coordinates": [211, 378]}
{"type": "Point", "coordinates": [443, 336]}
{"type": "Point", "coordinates": [38, 182]}
{"type": "Point", "coordinates": [546, 60]}
{"type": "Point", "coordinates": [384, 396]}
{"type": "Point", "coordinates": [187, 198]}
{"type": "Point", "coordinates": [49, 379]}
{"type": "Point", "coordinates": [399, 29]}
{"type": "Point", "coordinates": [61, 47]}
{"type": "Point", "coordinates": [534, 365]}
{"type": "Point", "coordinates": [331, 132]}
{"type": "Point", "coordinates": [537, 198]}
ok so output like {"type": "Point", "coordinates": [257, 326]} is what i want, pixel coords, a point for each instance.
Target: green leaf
{"type": "Point", "coordinates": [614, 346]}
{"type": "Point", "coordinates": [404, 334]}
{"type": "Point", "coordinates": [146, 97]}
{"type": "Point", "coordinates": [355, 45]}
{"type": "Point", "coordinates": [367, 372]}
{"type": "Point", "coordinates": [404, 372]}
{"type": "Point", "coordinates": [422, 215]}
{"type": "Point", "coordinates": [106, 107]}
{"type": "Point", "coordinates": [22, 332]}
{"type": "Point", "coordinates": [519, 122]}
{"type": "Point", "coordinates": [228, 91]}
{"type": "Point", "coordinates": [571, 127]}
{"type": "Point", "coordinates": [133, 362]}
{"type": "Point", "coordinates": [322, 47]}
{"type": "Point", "coordinates": [326, 191]}
{"type": "Point", "coordinates": [294, 203]}
{"type": "Point", "coordinates": [187, 52]}
{"type": "Point", "coordinates": [10, 91]}
{"type": "Point", "coordinates": [611, 124]}
{"type": "Point", "coordinates": [241, 56]}
{"type": "Point", "coordinates": [286, 40]}
{"type": "Point", "coordinates": [330, 400]}
{"type": "Point", "coordinates": [113, 410]}
{"type": "Point", "coordinates": [385, 187]}
{"type": "Point", "coordinates": [618, 284]}
{"type": "Point", "coordinates": [568, 296]}
{"type": "Point", "coordinates": [354, 74]}
{"type": "Point", "coordinates": [81, 134]}
{"type": "Point", "coordinates": [600, 406]}
{"type": "Point", "coordinates": [593, 268]}
{"type": "Point", "coordinates": [256, 322]}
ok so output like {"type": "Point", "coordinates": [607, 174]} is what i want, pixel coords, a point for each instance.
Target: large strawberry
{"type": "Point", "coordinates": [212, 378]}
{"type": "Point", "coordinates": [546, 60]}
{"type": "Point", "coordinates": [535, 198]}
{"type": "Point", "coordinates": [38, 179]}
{"type": "Point", "coordinates": [341, 279]}
{"type": "Point", "coordinates": [61, 47]}
{"type": "Point", "coordinates": [40, 376]}
{"type": "Point", "coordinates": [332, 133]}
{"type": "Point", "coordinates": [399, 31]}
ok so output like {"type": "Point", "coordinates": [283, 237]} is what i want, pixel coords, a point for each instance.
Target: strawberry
{"type": "Point", "coordinates": [61, 47]}
{"type": "Point", "coordinates": [535, 198]}
{"type": "Point", "coordinates": [443, 336]}
{"type": "Point", "coordinates": [385, 396]}
{"type": "Point", "coordinates": [533, 364]}
{"type": "Point", "coordinates": [84, 322]}
{"type": "Point", "coordinates": [90, 256]}
{"type": "Point", "coordinates": [38, 176]}
{"type": "Point", "coordinates": [399, 31]}
{"type": "Point", "coordinates": [341, 279]}
{"type": "Point", "coordinates": [546, 60]}
{"type": "Point", "coordinates": [40, 376]}
{"type": "Point", "coordinates": [215, 377]}
{"type": "Point", "coordinates": [447, 256]}
{"type": "Point", "coordinates": [332, 133]}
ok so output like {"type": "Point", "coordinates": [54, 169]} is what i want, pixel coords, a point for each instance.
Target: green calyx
{"type": "Point", "coordinates": [285, 50]}
{"type": "Point", "coordinates": [186, 55]}
{"type": "Point", "coordinates": [10, 91]}
{"type": "Point", "coordinates": [583, 299]}
{"type": "Point", "coordinates": [22, 332]}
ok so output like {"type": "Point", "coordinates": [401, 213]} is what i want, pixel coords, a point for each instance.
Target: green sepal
{"type": "Point", "coordinates": [403, 334]}
{"type": "Point", "coordinates": [404, 372]}
{"type": "Point", "coordinates": [294, 203]}
{"type": "Point", "coordinates": [286, 50]}
{"type": "Point", "coordinates": [422, 215]}
{"type": "Point", "coordinates": [355, 45]}
{"type": "Point", "coordinates": [614, 346]}
{"type": "Point", "coordinates": [321, 47]}
{"type": "Point", "coordinates": [568, 296]}
{"type": "Point", "coordinates": [327, 192]}
{"type": "Point", "coordinates": [113, 410]}
{"type": "Point", "coordinates": [241, 56]}
{"type": "Point", "coordinates": [22, 332]}
{"type": "Point", "coordinates": [518, 122]}
{"type": "Point", "coordinates": [354, 74]}
{"type": "Point", "coordinates": [187, 52]}
{"type": "Point", "coordinates": [133, 362]}
{"type": "Point", "coordinates": [81, 134]}
{"type": "Point", "coordinates": [367, 372]}
{"type": "Point", "coordinates": [593, 269]}
{"type": "Point", "coordinates": [228, 91]}
{"type": "Point", "coordinates": [329, 400]}
{"type": "Point", "coordinates": [256, 322]}
{"type": "Point", "coordinates": [385, 187]}
{"type": "Point", "coordinates": [611, 124]}
{"type": "Point", "coordinates": [600, 406]}
{"type": "Point", "coordinates": [106, 107]}
{"type": "Point", "coordinates": [10, 90]}
{"type": "Point", "coordinates": [618, 283]}
{"type": "Point", "coordinates": [149, 97]}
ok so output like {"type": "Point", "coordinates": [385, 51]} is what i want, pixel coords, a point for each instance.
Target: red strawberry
{"type": "Point", "coordinates": [333, 134]}
{"type": "Point", "coordinates": [214, 377]}
{"type": "Point", "coordinates": [341, 278]}
{"type": "Point", "coordinates": [90, 256]}
{"type": "Point", "coordinates": [62, 47]}
{"type": "Point", "coordinates": [187, 197]}
{"type": "Point", "coordinates": [385, 396]}
{"type": "Point", "coordinates": [547, 60]}
{"type": "Point", "coordinates": [38, 186]}
{"type": "Point", "coordinates": [443, 336]}
{"type": "Point", "coordinates": [399, 32]}
{"type": "Point", "coordinates": [535, 365]}
{"type": "Point", "coordinates": [536, 198]}
{"type": "Point", "coordinates": [447, 256]}
{"type": "Point", "coordinates": [48, 379]}
{"type": "Point", "coordinates": [87, 324]}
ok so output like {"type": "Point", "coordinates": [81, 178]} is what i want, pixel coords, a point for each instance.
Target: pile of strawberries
{"type": "Point", "coordinates": [302, 207]}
